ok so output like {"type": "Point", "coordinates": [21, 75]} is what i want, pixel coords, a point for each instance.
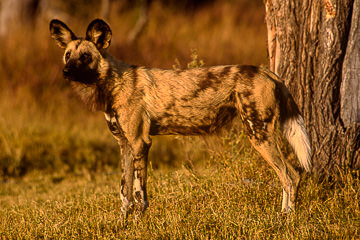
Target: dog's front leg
{"type": "Point", "coordinates": [140, 175]}
{"type": "Point", "coordinates": [136, 128]}
{"type": "Point", "coordinates": [133, 177]}
{"type": "Point", "coordinates": [127, 177]}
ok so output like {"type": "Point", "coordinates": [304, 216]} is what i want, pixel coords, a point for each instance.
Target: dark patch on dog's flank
{"type": "Point", "coordinates": [248, 71]}
{"type": "Point", "coordinates": [225, 72]}
{"type": "Point", "coordinates": [209, 81]}
{"type": "Point", "coordinates": [225, 115]}
{"type": "Point", "coordinates": [208, 126]}
{"type": "Point", "coordinates": [247, 75]}
{"type": "Point", "coordinates": [211, 76]}
{"type": "Point", "coordinates": [157, 129]}
{"type": "Point", "coordinates": [205, 83]}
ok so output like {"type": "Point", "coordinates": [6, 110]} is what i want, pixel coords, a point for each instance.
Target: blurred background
{"type": "Point", "coordinates": [45, 128]}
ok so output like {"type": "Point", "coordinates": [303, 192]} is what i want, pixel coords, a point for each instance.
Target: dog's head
{"type": "Point", "coordinates": [82, 57]}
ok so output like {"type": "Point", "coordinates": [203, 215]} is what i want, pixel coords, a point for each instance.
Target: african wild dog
{"type": "Point", "coordinates": [139, 102]}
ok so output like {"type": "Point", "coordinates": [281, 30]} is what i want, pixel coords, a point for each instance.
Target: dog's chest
{"type": "Point", "coordinates": [114, 125]}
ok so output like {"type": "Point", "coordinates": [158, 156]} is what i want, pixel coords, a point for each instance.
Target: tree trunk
{"type": "Point", "coordinates": [314, 47]}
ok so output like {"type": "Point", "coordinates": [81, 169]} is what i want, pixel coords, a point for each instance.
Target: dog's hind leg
{"type": "Point", "coordinates": [289, 177]}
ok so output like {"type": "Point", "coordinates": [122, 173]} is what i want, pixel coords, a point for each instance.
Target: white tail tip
{"type": "Point", "coordinates": [295, 133]}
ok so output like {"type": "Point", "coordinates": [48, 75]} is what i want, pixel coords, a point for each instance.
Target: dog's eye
{"type": "Point", "coordinates": [86, 58]}
{"type": "Point", "coordinates": [67, 56]}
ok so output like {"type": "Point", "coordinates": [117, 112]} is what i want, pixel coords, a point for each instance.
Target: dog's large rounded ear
{"type": "Point", "coordinates": [61, 33]}
{"type": "Point", "coordinates": [99, 33]}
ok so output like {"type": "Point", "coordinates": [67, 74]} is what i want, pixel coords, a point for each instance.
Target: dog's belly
{"type": "Point", "coordinates": [193, 121]}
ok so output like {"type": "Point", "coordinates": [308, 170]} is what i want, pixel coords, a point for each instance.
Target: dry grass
{"type": "Point", "coordinates": [228, 198]}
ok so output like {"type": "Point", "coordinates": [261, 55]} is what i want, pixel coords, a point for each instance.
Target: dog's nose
{"type": "Point", "coordinates": [66, 72]}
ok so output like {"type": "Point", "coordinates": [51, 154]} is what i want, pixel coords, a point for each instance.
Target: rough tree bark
{"type": "Point", "coordinates": [314, 47]}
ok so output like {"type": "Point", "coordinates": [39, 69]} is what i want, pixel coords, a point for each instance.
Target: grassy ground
{"type": "Point", "coordinates": [59, 172]}
{"type": "Point", "coordinates": [236, 197]}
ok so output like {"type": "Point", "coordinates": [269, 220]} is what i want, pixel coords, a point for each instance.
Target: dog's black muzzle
{"type": "Point", "coordinates": [80, 73]}
{"type": "Point", "coordinates": [66, 72]}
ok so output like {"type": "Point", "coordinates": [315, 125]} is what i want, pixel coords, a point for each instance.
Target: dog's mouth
{"type": "Point", "coordinates": [67, 73]}
{"type": "Point", "coordinates": [86, 76]}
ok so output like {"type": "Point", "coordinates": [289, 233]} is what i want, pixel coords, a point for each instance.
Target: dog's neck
{"type": "Point", "coordinates": [89, 94]}
{"type": "Point", "coordinates": [98, 96]}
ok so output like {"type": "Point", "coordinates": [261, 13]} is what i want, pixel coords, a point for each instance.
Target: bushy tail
{"type": "Point", "coordinates": [295, 132]}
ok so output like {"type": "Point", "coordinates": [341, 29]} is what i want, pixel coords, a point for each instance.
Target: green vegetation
{"type": "Point", "coordinates": [59, 165]}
